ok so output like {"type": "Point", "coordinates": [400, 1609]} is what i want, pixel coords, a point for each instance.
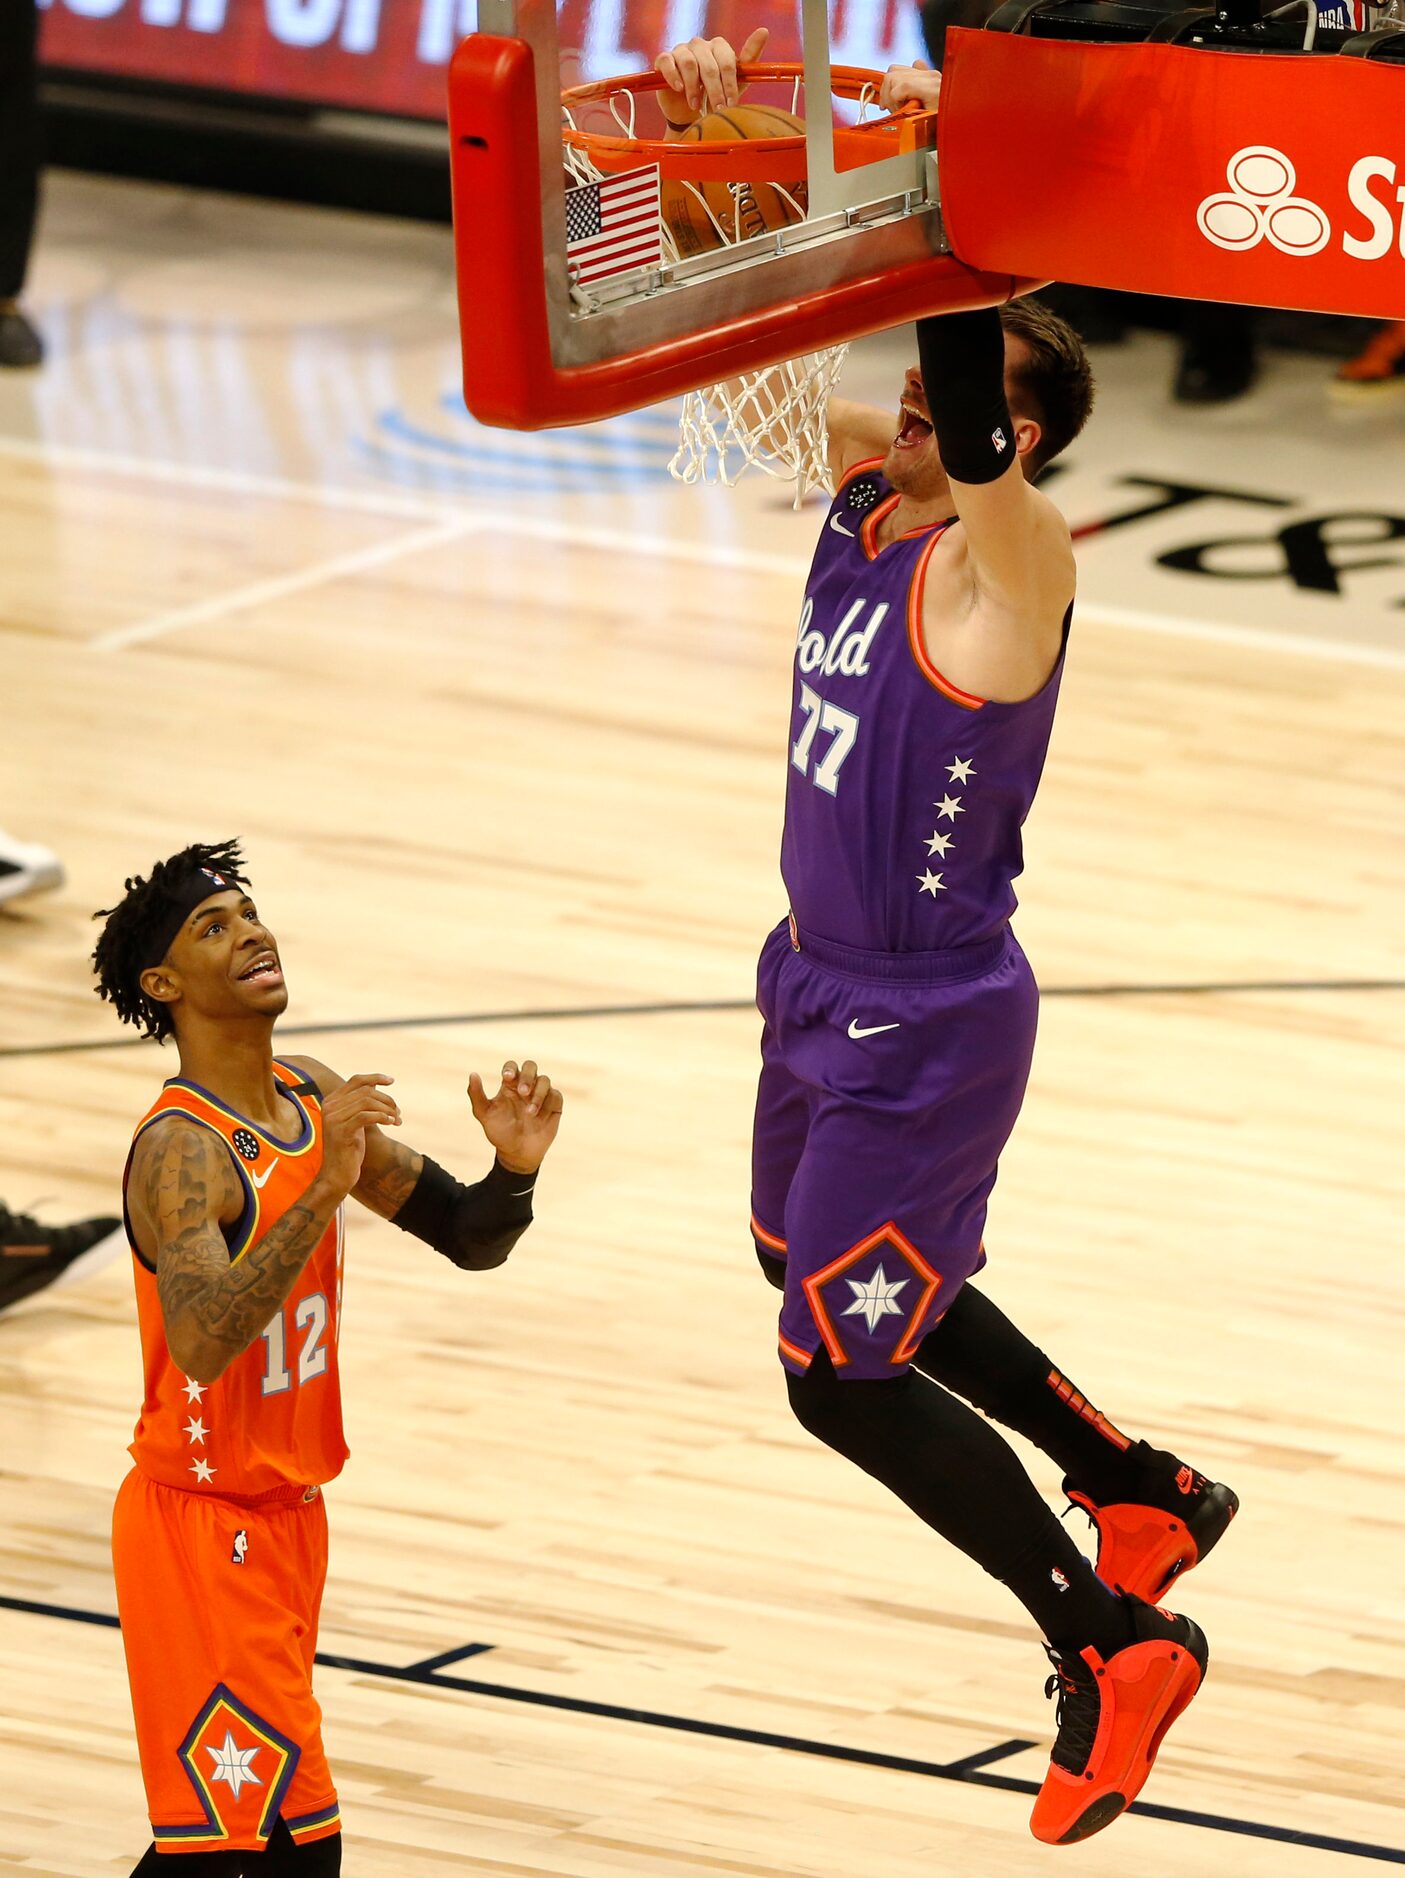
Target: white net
{"type": "Point", "coordinates": [772, 421]}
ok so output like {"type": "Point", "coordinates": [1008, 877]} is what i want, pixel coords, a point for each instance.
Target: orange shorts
{"type": "Point", "coordinates": [219, 1605]}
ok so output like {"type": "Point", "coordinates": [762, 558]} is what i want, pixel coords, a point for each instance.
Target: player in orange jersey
{"type": "Point", "coordinates": [232, 1198]}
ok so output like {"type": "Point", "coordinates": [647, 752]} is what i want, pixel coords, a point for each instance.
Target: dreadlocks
{"type": "Point", "coordinates": [141, 926]}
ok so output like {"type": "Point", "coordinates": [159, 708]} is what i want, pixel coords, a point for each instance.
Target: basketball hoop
{"type": "Point", "coordinates": [568, 310]}
{"type": "Point", "coordinates": [772, 420]}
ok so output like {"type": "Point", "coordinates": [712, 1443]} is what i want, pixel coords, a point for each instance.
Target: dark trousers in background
{"type": "Point", "coordinates": [19, 140]}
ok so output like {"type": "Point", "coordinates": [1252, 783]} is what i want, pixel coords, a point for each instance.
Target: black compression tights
{"type": "Point", "coordinates": [966, 1482]}
{"type": "Point", "coordinates": [979, 1354]}
{"type": "Point", "coordinates": [285, 1858]}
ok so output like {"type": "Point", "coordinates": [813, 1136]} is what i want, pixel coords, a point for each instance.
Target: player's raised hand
{"type": "Point", "coordinates": [360, 1103]}
{"type": "Point", "coordinates": [521, 1120]}
{"type": "Point", "coordinates": [910, 84]}
{"type": "Point", "coordinates": [701, 75]}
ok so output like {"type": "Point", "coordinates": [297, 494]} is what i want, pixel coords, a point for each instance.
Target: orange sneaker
{"type": "Point", "coordinates": [1112, 1717]}
{"type": "Point", "coordinates": [1143, 1547]}
{"type": "Point", "coordinates": [1378, 368]}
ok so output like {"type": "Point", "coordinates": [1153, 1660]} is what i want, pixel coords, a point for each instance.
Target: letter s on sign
{"type": "Point", "coordinates": [1358, 187]}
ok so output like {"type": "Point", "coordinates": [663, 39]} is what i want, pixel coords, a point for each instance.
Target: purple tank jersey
{"type": "Point", "coordinates": [899, 1012]}
{"type": "Point", "coordinates": [906, 795]}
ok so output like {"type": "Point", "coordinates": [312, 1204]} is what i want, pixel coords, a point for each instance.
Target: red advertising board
{"type": "Point", "coordinates": [393, 55]}
{"type": "Point", "coordinates": [1268, 179]}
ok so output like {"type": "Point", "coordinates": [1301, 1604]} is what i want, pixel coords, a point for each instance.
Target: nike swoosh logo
{"type": "Point", "coordinates": [872, 1030]}
{"type": "Point", "coordinates": [835, 523]}
{"type": "Point", "coordinates": [262, 1180]}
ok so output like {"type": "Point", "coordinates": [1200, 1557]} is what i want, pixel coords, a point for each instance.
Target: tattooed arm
{"type": "Point", "coordinates": [183, 1189]}
{"type": "Point", "coordinates": [390, 1169]}
{"type": "Point", "coordinates": [477, 1226]}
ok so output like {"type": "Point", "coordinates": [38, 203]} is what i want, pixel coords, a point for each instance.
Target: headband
{"type": "Point", "coordinates": [182, 897]}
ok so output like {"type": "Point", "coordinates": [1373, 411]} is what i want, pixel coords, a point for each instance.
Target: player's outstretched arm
{"type": "Point", "coordinates": [475, 1226]}
{"type": "Point", "coordinates": [182, 1191]}
{"type": "Point", "coordinates": [1018, 550]}
{"type": "Point", "coordinates": [860, 432]}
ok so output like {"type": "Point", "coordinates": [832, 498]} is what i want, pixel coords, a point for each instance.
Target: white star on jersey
{"type": "Point", "coordinates": [938, 843]}
{"type": "Point", "coordinates": [874, 1301]}
{"type": "Point", "coordinates": [195, 1428]}
{"type": "Point", "coordinates": [960, 770]}
{"type": "Point", "coordinates": [949, 807]}
{"type": "Point", "coordinates": [234, 1766]}
{"type": "Point", "coordinates": [194, 1391]}
{"type": "Point", "coordinates": [930, 883]}
{"type": "Point", "coordinates": [203, 1472]}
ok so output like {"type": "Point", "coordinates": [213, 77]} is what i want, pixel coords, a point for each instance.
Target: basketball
{"type": "Point", "coordinates": [742, 208]}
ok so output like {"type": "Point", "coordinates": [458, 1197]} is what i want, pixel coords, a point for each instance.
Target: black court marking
{"type": "Point", "coordinates": [433, 1663]}
{"type": "Point", "coordinates": [1213, 988]}
{"type": "Point", "coordinates": [969, 1771]}
{"type": "Point", "coordinates": [958, 1770]}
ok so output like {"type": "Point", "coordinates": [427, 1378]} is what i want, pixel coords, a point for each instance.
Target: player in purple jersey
{"type": "Point", "coordinates": [899, 1015]}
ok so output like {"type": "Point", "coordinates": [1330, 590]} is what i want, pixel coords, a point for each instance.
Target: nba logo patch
{"type": "Point", "coordinates": [241, 1547]}
{"type": "Point", "coordinates": [997, 437]}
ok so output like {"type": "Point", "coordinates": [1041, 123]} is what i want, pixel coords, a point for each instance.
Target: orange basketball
{"type": "Point", "coordinates": [743, 209]}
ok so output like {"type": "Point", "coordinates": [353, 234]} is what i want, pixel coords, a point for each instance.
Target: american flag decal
{"type": "Point", "coordinates": [613, 226]}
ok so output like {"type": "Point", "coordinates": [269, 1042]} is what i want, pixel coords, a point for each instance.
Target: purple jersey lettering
{"type": "Point", "coordinates": [905, 795]}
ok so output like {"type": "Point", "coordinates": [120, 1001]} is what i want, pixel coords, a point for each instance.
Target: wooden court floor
{"type": "Point", "coordinates": [508, 763]}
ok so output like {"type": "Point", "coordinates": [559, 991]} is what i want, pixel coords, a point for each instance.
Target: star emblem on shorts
{"type": "Point", "coordinates": [203, 1472]}
{"type": "Point", "coordinates": [234, 1766]}
{"type": "Point", "coordinates": [950, 807]}
{"type": "Point", "coordinates": [194, 1391]}
{"type": "Point", "coordinates": [961, 770]}
{"type": "Point", "coordinates": [930, 883]}
{"type": "Point", "coordinates": [938, 843]}
{"type": "Point", "coordinates": [874, 1301]}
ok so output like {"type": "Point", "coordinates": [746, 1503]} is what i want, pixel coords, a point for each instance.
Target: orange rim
{"type": "Point", "coordinates": [768, 159]}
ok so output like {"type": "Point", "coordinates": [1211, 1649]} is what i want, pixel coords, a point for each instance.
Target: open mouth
{"type": "Point", "coordinates": [266, 967]}
{"type": "Point", "coordinates": [914, 430]}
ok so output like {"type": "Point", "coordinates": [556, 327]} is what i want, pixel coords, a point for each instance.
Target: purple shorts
{"type": "Point", "coordinates": [889, 1084]}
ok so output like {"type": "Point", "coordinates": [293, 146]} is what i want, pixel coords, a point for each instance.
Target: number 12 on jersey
{"type": "Point", "coordinates": [311, 1315]}
{"type": "Point", "coordinates": [822, 716]}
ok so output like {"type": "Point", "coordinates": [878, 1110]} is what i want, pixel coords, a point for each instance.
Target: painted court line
{"type": "Point", "coordinates": [542, 526]}
{"type": "Point", "coordinates": [1222, 632]}
{"type": "Point", "coordinates": [281, 586]}
{"type": "Point", "coordinates": [968, 1771]}
{"type": "Point", "coordinates": [228, 482]}
{"type": "Point", "coordinates": [430, 1020]}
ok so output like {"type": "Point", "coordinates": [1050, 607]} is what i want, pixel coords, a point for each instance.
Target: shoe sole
{"type": "Point", "coordinates": [1367, 391]}
{"type": "Point", "coordinates": [1192, 1664]}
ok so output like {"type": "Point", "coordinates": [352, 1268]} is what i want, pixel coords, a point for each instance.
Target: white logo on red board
{"type": "Point", "coordinates": [1260, 205]}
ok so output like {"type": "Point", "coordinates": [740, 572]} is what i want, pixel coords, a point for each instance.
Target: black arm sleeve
{"type": "Point", "coordinates": [476, 1227]}
{"type": "Point", "coordinates": [963, 376]}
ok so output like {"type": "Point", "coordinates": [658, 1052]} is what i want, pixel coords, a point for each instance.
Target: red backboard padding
{"type": "Point", "coordinates": [510, 376]}
{"type": "Point", "coordinates": [1269, 179]}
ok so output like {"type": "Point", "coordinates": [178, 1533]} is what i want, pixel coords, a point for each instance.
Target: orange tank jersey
{"type": "Point", "coordinates": [273, 1419]}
